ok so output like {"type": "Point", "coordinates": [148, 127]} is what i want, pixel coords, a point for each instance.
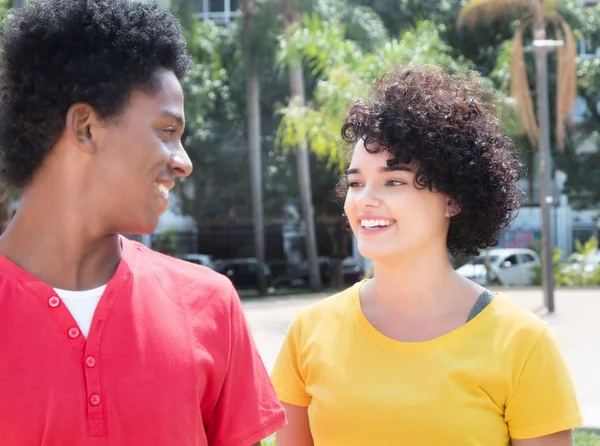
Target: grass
{"type": "Point", "coordinates": [580, 437]}
{"type": "Point", "coordinates": [271, 441]}
{"type": "Point", "coordinates": [584, 438]}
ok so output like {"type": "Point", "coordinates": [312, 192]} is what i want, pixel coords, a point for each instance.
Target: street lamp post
{"type": "Point", "coordinates": [542, 47]}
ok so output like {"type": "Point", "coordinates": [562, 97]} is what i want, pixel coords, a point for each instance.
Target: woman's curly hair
{"type": "Point", "coordinates": [59, 52]}
{"type": "Point", "coordinates": [446, 123]}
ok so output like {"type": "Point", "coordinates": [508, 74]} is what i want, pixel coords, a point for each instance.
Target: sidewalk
{"type": "Point", "coordinates": [576, 325]}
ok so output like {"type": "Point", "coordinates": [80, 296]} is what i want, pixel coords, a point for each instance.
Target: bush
{"type": "Point", "coordinates": [585, 438]}
{"type": "Point", "coordinates": [573, 272]}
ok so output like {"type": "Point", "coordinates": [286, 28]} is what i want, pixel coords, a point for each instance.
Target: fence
{"type": "Point", "coordinates": [514, 262]}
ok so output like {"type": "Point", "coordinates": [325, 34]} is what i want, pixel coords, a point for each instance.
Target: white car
{"type": "Point", "coordinates": [510, 266]}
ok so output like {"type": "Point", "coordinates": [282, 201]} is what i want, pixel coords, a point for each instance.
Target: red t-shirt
{"type": "Point", "coordinates": [169, 361]}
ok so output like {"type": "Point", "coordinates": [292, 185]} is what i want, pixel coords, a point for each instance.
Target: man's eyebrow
{"type": "Point", "coordinates": [351, 171]}
{"type": "Point", "coordinates": [174, 115]}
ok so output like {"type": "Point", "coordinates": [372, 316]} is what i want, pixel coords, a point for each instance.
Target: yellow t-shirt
{"type": "Point", "coordinates": [500, 375]}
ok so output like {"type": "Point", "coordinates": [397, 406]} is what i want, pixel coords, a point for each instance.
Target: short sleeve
{"type": "Point", "coordinates": [247, 410]}
{"type": "Point", "coordinates": [286, 374]}
{"type": "Point", "coordinates": [543, 401]}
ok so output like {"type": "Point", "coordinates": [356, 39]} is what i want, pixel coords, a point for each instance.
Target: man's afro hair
{"type": "Point", "coordinates": [59, 52]}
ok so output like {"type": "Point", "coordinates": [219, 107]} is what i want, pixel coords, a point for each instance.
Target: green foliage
{"type": "Point", "coordinates": [346, 72]}
{"type": "Point", "coordinates": [557, 267]}
{"type": "Point", "coordinates": [584, 438]}
{"type": "Point", "coordinates": [575, 271]}
{"type": "Point", "coordinates": [165, 242]}
{"type": "Point", "coordinates": [5, 9]}
{"type": "Point", "coordinates": [344, 46]}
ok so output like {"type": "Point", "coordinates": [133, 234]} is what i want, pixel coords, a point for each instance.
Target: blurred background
{"type": "Point", "coordinates": [266, 96]}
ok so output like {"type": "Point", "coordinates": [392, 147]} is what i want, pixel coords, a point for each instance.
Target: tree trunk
{"type": "Point", "coordinates": [254, 146]}
{"type": "Point", "coordinates": [303, 165]}
{"type": "Point", "coordinates": [336, 238]}
{"type": "Point", "coordinates": [6, 208]}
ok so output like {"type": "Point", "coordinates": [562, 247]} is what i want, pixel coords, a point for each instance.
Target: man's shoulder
{"type": "Point", "coordinates": [188, 279]}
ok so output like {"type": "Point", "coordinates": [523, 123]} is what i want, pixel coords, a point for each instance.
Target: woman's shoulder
{"type": "Point", "coordinates": [336, 307]}
{"type": "Point", "coordinates": [512, 321]}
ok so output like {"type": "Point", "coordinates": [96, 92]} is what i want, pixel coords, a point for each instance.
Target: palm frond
{"type": "Point", "coordinates": [566, 79]}
{"type": "Point", "coordinates": [560, 87]}
{"type": "Point", "coordinates": [519, 87]}
{"type": "Point", "coordinates": [571, 69]}
{"type": "Point", "coordinates": [474, 12]}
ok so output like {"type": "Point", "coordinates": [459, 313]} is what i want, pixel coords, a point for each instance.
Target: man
{"type": "Point", "coordinates": [103, 341]}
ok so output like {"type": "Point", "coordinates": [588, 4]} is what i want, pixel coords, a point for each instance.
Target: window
{"type": "Point", "coordinates": [526, 258]}
{"type": "Point", "coordinates": [510, 261]}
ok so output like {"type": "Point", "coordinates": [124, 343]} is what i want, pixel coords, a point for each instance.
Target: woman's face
{"type": "Point", "coordinates": [390, 216]}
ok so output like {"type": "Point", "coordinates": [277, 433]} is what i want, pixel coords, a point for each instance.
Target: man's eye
{"type": "Point", "coordinates": [353, 184]}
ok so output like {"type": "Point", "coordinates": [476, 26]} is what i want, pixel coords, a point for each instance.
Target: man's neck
{"type": "Point", "coordinates": [55, 244]}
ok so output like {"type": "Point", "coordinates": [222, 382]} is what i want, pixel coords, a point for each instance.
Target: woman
{"type": "Point", "coordinates": [418, 355]}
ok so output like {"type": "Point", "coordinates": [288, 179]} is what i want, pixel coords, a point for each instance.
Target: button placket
{"type": "Point", "coordinates": [96, 426]}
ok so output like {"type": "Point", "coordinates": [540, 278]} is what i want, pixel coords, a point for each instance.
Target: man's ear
{"type": "Point", "coordinates": [81, 126]}
{"type": "Point", "coordinates": [452, 208]}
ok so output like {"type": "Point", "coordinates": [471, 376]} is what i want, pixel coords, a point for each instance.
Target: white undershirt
{"type": "Point", "coordinates": [82, 305]}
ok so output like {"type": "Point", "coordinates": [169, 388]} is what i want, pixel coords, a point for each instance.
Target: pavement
{"type": "Point", "coordinates": [575, 323]}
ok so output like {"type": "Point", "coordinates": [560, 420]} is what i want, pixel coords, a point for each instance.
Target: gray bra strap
{"type": "Point", "coordinates": [483, 301]}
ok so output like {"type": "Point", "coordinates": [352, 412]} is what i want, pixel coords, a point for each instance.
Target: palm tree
{"type": "Point", "coordinates": [539, 14]}
{"type": "Point", "coordinates": [295, 132]}
{"type": "Point", "coordinates": [291, 22]}
{"type": "Point", "coordinates": [249, 9]}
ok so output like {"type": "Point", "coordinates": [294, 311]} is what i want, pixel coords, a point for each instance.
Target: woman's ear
{"type": "Point", "coordinates": [452, 208]}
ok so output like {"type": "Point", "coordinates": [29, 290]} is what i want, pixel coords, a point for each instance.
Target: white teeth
{"type": "Point", "coordinates": [375, 223]}
{"type": "Point", "coordinates": [163, 189]}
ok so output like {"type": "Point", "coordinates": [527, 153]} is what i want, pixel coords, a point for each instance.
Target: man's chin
{"type": "Point", "coordinates": [141, 228]}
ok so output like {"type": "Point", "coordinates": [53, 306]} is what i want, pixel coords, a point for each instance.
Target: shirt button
{"type": "Point", "coordinates": [94, 399]}
{"type": "Point", "coordinates": [54, 301]}
{"type": "Point", "coordinates": [74, 332]}
{"type": "Point", "coordinates": [90, 361]}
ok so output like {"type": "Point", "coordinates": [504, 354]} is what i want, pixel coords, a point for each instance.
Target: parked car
{"type": "Point", "coordinates": [242, 272]}
{"type": "Point", "coordinates": [352, 270]}
{"type": "Point", "coordinates": [298, 275]}
{"type": "Point", "coordinates": [200, 259]}
{"type": "Point", "coordinates": [509, 266]}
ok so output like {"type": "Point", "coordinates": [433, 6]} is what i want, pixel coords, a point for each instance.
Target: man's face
{"type": "Point", "coordinates": [139, 156]}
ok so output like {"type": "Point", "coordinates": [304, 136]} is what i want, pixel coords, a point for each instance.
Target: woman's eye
{"type": "Point", "coordinates": [395, 183]}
